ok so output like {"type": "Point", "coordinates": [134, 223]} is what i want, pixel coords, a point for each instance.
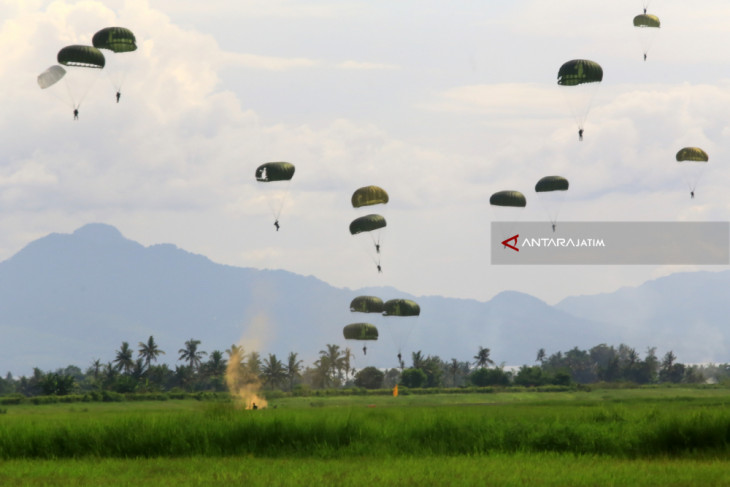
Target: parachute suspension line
{"type": "Point", "coordinates": [85, 86]}
{"type": "Point", "coordinates": [285, 193]}
{"type": "Point", "coordinates": [399, 340]}
{"type": "Point", "coordinates": [583, 116]}
{"type": "Point", "coordinates": [88, 88]}
{"type": "Point", "coordinates": [57, 94]}
{"type": "Point", "coordinates": [72, 102]}
{"type": "Point", "coordinates": [692, 183]}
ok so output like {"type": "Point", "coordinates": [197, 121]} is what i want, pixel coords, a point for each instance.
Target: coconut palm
{"type": "Point", "coordinates": [95, 368]}
{"type": "Point", "coordinates": [216, 365]}
{"type": "Point", "coordinates": [540, 356]}
{"type": "Point", "coordinates": [346, 360]}
{"type": "Point", "coordinates": [124, 358]}
{"type": "Point", "coordinates": [149, 351]}
{"type": "Point", "coordinates": [293, 369]}
{"type": "Point", "coordinates": [482, 358]}
{"type": "Point", "coordinates": [418, 360]}
{"type": "Point", "coordinates": [332, 358]}
{"type": "Point", "coordinates": [191, 355]}
{"type": "Point", "coordinates": [454, 369]}
{"type": "Point", "coordinates": [273, 371]}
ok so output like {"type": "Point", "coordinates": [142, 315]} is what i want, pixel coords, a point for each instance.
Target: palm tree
{"type": "Point", "coordinates": [418, 360]}
{"type": "Point", "coordinates": [454, 368]}
{"type": "Point", "coordinates": [139, 368]}
{"type": "Point", "coordinates": [124, 360]}
{"type": "Point", "coordinates": [95, 368]}
{"type": "Point", "coordinates": [183, 375]}
{"type": "Point", "coordinates": [321, 372]}
{"type": "Point", "coordinates": [482, 358]}
{"type": "Point", "coordinates": [332, 358]}
{"type": "Point", "coordinates": [273, 371]}
{"type": "Point", "coordinates": [293, 369]}
{"type": "Point", "coordinates": [347, 356]}
{"type": "Point", "coordinates": [110, 373]}
{"type": "Point", "coordinates": [540, 356]}
{"type": "Point", "coordinates": [149, 351]}
{"type": "Point", "coordinates": [190, 354]}
{"type": "Point", "coordinates": [216, 365]}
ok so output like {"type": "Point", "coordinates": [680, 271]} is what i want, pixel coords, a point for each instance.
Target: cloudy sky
{"type": "Point", "coordinates": [440, 103]}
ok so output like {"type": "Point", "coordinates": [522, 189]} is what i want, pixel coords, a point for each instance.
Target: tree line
{"type": "Point", "coordinates": [199, 370]}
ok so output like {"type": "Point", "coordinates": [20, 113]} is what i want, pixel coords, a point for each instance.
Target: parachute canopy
{"type": "Point", "coordinates": [508, 198]}
{"type": "Point", "coordinates": [551, 183]}
{"type": "Point", "coordinates": [360, 331]}
{"type": "Point", "coordinates": [369, 195]}
{"type": "Point", "coordinates": [401, 307]}
{"type": "Point", "coordinates": [51, 76]}
{"type": "Point", "coordinates": [275, 171]}
{"type": "Point", "coordinates": [367, 304]}
{"type": "Point", "coordinates": [694, 154]}
{"type": "Point", "coordinates": [579, 71]}
{"type": "Point", "coordinates": [367, 223]}
{"type": "Point", "coordinates": [82, 56]}
{"type": "Point", "coordinates": [115, 39]}
{"type": "Point", "coordinates": [646, 20]}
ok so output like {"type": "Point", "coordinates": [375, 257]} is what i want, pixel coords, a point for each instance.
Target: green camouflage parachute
{"type": "Point", "coordinates": [81, 56]}
{"type": "Point", "coordinates": [551, 183]}
{"type": "Point", "coordinates": [115, 39]}
{"type": "Point", "coordinates": [83, 65]}
{"type": "Point", "coordinates": [119, 41]}
{"type": "Point", "coordinates": [551, 192]}
{"type": "Point", "coordinates": [579, 80]}
{"type": "Point", "coordinates": [360, 331]}
{"type": "Point", "coordinates": [406, 314]}
{"type": "Point", "coordinates": [508, 198]}
{"type": "Point", "coordinates": [274, 171]}
{"type": "Point", "coordinates": [367, 223]}
{"type": "Point", "coordinates": [646, 29]}
{"type": "Point", "coordinates": [369, 195]}
{"type": "Point", "coordinates": [579, 71]}
{"type": "Point", "coordinates": [401, 307]}
{"type": "Point", "coordinates": [366, 304]}
{"type": "Point", "coordinates": [692, 154]}
{"type": "Point", "coordinates": [646, 20]}
{"type": "Point", "coordinates": [692, 162]}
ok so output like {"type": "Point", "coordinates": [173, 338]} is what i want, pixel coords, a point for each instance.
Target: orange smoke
{"type": "Point", "coordinates": [243, 384]}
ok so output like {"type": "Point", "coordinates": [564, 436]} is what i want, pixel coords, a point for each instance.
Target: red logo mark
{"type": "Point", "coordinates": [513, 247]}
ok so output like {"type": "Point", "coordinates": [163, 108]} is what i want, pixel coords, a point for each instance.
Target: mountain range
{"type": "Point", "coordinates": [73, 298]}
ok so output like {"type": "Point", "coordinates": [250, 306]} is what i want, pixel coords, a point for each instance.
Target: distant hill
{"type": "Point", "coordinates": [688, 313]}
{"type": "Point", "coordinates": [71, 298]}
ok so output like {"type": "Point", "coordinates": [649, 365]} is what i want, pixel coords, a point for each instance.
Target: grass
{"type": "Point", "coordinates": [535, 470]}
{"type": "Point", "coordinates": [605, 437]}
{"type": "Point", "coordinates": [628, 427]}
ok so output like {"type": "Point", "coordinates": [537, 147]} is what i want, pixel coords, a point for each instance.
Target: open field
{"type": "Point", "coordinates": [534, 470]}
{"type": "Point", "coordinates": [605, 437]}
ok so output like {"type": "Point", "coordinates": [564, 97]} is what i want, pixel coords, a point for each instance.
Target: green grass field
{"type": "Point", "coordinates": [604, 437]}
